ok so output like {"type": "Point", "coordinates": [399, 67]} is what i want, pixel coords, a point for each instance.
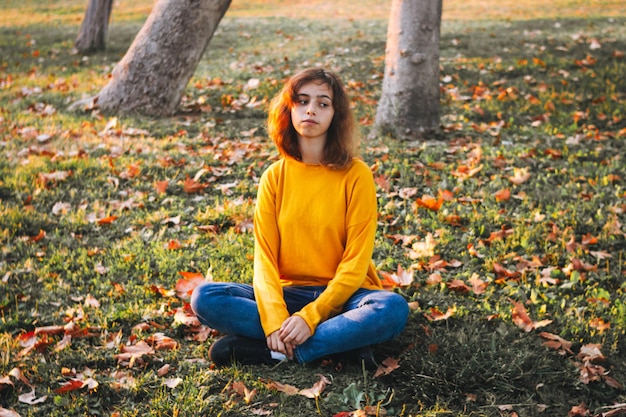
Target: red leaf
{"type": "Point", "coordinates": [71, 385]}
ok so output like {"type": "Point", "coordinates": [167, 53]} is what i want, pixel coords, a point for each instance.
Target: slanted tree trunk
{"type": "Point", "coordinates": [93, 31]}
{"type": "Point", "coordinates": [151, 77]}
{"type": "Point", "coordinates": [409, 105]}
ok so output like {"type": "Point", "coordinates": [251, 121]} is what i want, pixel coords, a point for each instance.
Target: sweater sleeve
{"type": "Point", "coordinates": [266, 280]}
{"type": "Point", "coordinates": [361, 219]}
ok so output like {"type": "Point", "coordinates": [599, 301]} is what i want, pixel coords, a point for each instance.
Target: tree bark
{"type": "Point", "coordinates": [93, 30]}
{"type": "Point", "coordinates": [409, 105]}
{"type": "Point", "coordinates": [151, 77]}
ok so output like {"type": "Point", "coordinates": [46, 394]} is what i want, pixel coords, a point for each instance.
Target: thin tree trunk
{"type": "Point", "coordinates": [153, 74]}
{"type": "Point", "coordinates": [93, 30]}
{"type": "Point", "coordinates": [409, 105]}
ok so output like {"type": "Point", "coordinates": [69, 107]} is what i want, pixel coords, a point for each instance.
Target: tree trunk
{"type": "Point", "coordinates": [409, 105]}
{"type": "Point", "coordinates": [153, 74]}
{"type": "Point", "coordinates": [93, 31]}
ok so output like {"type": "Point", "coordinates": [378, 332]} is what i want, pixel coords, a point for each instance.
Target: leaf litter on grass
{"type": "Point", "coordinates": [507, 235]}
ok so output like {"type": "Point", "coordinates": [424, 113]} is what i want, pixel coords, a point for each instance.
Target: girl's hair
{"type": "Point", "coordinates": [341, 139]}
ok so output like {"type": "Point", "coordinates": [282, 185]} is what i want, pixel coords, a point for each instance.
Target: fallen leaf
{"type": "Point", "coordinates": [520, 176]}
{"type": "Point", "coordinates": [71, 385]}
{"type": "Point", "coordinates": [316, 389]}
{"type": "Point", "coordinates": [286, 388]}
{"type": "Point", "coordinates": [429, 202]}
{"type": "Point", "coordinates": [387, 366]}
{"type": "Point", "coordinates": [172, 382]}
{"type": "Point", "coordinates": [478, 285]}
{"type": "Point", "coordinates": [31, 399]}
{"type": "Point", "coordinates": [4, 412]}
{"type": "Point", "coordinates": [423, 249]}
{"type": "Point", "coordinates": [591, 352]}
{"type": "Point", "coordinates": [185, 286]}
{"type": "Point", "coordinates": [436, 315]}
{"type": "Point", "coordinates": [503, 195]}
{"type": "Point", "coordinates": [191, 186]}
{"type": "Point", "coordinates": [557, 343]}
{"type": "Point", "coordinates": [580, 410]}
{"type": "Point", "coordinates": [522, 319]}
{"type": "Point", "coordinates": [162, 371]}
{"type": "Point", "coordinates": [107, 220]}
{"type": "Point", "coordinates": [458, 285]}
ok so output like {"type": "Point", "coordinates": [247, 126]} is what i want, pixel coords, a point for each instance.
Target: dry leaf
{"type": "Point", "coordinates": [4, 412]}
{"type": "Point", "coordinates": [172, 382]}
{"type": "Point", "coordinates": [386, 367]}
{"type": "Point", "coordinates": [429, 202]}
{"type": "Point", "coordinates": [436, 315]}
{"type": "Point", "coordinates": [521, 319]}
{"type": "Point", "coordinates": [557, 343]}
{"type": "Point", "coordinates": [317, 388]}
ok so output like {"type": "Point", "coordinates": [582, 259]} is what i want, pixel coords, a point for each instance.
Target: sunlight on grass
{"type": "Point", "coordinates": [70, 12]}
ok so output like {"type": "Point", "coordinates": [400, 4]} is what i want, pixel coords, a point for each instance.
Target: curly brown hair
{"type": "Point", "coordinates": [341, 139]}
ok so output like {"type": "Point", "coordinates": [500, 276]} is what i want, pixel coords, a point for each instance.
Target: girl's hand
{"type": "Point", "coordinates": [277, 345]}
{"type": "Point", "coordinates": [294, 331]}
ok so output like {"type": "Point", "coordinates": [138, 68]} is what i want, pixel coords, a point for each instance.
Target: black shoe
{"type": "Point", "coordinates": [243, 350]}
{"type": "Point", "coordinates": [365, 358]}
{"type": "Point", "coordinates": [362, 357]}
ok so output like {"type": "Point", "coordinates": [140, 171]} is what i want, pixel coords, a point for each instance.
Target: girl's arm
{"type": "Point", "coordinates": [268, 291]}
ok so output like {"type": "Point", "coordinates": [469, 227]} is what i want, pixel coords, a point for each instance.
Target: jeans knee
{"type": "Point", "coordinates": [196, 300]}
{"type": "Point", "coordinates": [399, 311]}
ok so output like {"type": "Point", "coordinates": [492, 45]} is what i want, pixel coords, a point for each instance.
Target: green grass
{"type": "Point", "coordinates": [517, 93]}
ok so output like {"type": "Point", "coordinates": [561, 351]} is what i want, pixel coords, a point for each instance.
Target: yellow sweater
{"type": "Point", "coordinates": [313, 226]}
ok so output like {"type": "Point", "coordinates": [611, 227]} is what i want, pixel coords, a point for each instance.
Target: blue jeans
{"type": "Point", "coordinates": [368, 317]}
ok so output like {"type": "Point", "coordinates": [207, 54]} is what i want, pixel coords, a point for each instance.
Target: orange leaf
{"type": "Point", "coordinates": [522, 319]}
{"type": "Point", "coordinates": [185, 286]}
{"type": "Point", "coordinates": [173, 244]}
{"type": "Point", "coordinates": [107, 220]}
{"type": "Point", "coordinates": [40, 236]}
{"type": "Point", "coordinates": [503, 195]}
{"type": "Point", "coordinates": [453, 220]}
{"type": "Point", "coordinates": [119, 287]}
{"type": "Point", "coordinates": [161, 186]}
{"type": "Point", "coordinates": [430, 202]}
{"type": "Point", "coordinates": [191, 186]}
{"type": "Point", "coordinates": [436, 315]}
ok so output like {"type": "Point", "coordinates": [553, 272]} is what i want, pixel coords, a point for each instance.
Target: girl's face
{"type": "Point", "coordinates": [313, 111]}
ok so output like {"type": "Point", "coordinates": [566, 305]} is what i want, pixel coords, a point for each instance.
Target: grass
{"type": "Point", "coordinates": [87, 238]}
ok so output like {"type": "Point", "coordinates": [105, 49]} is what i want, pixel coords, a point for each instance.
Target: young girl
{"type": "Point", "coordinates": [315, 290]}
